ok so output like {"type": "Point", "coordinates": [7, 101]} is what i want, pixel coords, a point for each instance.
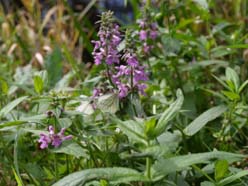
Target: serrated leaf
{"type": "Point", "coordinates": [169, 114]}
{"type": "Point", "coordinates": [203, 119]}
{"type": "Point", "coordinates": [108, 103]}
{"type": "Point", "coordinates": [5, 110]}
{"type": "Point", "coordinates": [71, 148]}
{"type": "Point", "coordinates": [115, 175]}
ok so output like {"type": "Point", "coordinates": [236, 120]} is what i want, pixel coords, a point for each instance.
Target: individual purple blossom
{"type": "Point", "coordinates": [53, 138]}
{"type": "Point", "coordinates": [123, 90]}
{"type": "Point", "coordinates": [140, 75]}
{"type": "Point", "coordinates": [44, 140]}
{"type": "Point", "coordinates": [141, 88]}
{"type": "Point", "coordinates": [153, 34]}
{"type": "Point", "coordinates": [143, 35]}
{"type": "Point", "coordinates": [132, 60]}
{"type": "Point", "coordinates": [96, 92]}
{"type": "Point", "coordinates": [146, 48]}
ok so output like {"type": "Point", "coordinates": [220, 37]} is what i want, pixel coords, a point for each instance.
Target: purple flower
{"type": "Point", "coordinates": [44, 140]}
{"type": "Point", "coordinates": [141, 23]}
{"type": "Point", "coordinates": [146, 48]}
{"type": "Point", "coordinates": [143, 35]}
{"type": "Point", "coordinates": [123, 90]}
{"type": "Point", "coordinates": [153, 34]}
{"type": "Point", "coordinates": [54, 139]}
{"type": "Point", "coordinates": [132, 61]}
{"type": "Point", "coordinates": [139, 74]}
{"type": "Point", "coordinates": [56, 142]}
{"type": "Point", "coordinates": [96, 92]}
{"type": "Point", "coordinates": [141, 88]}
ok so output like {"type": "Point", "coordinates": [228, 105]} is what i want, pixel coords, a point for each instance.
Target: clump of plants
{"type": "Point", "coordinates": [162, 103]}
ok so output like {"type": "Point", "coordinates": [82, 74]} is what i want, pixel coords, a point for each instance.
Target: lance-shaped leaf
{"type": "Point", "coordinates": [5, 110]}
{"type": "Point", "coordinates": [115, 175]}
{"type": "Point", "coordinates": [169, 114]}
{"type": "Point", "coordinates": [203, 119]}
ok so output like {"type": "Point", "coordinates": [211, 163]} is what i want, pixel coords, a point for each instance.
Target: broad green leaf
{"type": "Point", "coordinates": [203, 119]}
{"type": "Point", "coordinates": [8, 108]}
{"type": "Point", "coordinates": [132, 129]}
{"type": "Point", "coordinates": [108, 103]}
{"type": "Point", "coordinates": [115, 175]}
{"type": "Point", "coordinates": [71, 148]}
{"type": "Point", "coordinates": [221, 168]}
{"type": "Point", "coordinates": [179, 163]}
{"type": "Point", "coordinates": [38, 84]}
{"type": "Point", "coordinates": [232, 76]}
{"type": "Point", "coordinates": [233, 178]}
{"type": "Point", "coordinates": [169, 114]}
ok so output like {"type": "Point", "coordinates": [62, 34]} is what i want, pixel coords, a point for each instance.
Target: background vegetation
{"type": "Point", "coordinates": [190, 128]}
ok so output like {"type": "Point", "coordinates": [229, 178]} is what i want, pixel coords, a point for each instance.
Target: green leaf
{"type": "Point", "coordinates": [4, 86]}
{"type": "Point", "coordinates": [115, 175]}
{"type": "Point", "coordinates": [169, 114]}
{"type": "Point", "coordinates": [5, 110]}
{"type": "Point", "coordinates": [149, 127]}
{"type": "Point", "coordinates": [53, 64]}
{"type": "Point", "coordinates": [231, 95]}
{"type": "Point", "coordinates": [233, 178]}
{"type": "Point", "coordinates": [133, 129]}
{"type": "Point", "coordinates": [232, 76]}
{"type": "Point", "coordinates": [221, 168]}
{"type": "Point", "coordinates": [64, 122]}
{"type": "Point", "coordinates": [243, 86]}
{"type": "Point", "coordinates": [71, 148]}
{"type": "Point", "coordinates": [108, 103]}
{"type": "Point", "coordinates": [207, 183]}
{"type": "Point", "coordinates": [202, 3]}
{"type": "Point", "coordinates": [17, 178]}
{"type": "Point", "coordinates": [179, 163]}
{"type": "Point", "coordinates": [38, 84]}
{"type": "Point", "coordinates": [203, 119]}
{"type": "Point", "coordinates": [11, 123]}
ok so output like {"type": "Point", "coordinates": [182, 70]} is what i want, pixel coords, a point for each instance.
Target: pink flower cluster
{"type": "Point", "coordinates": [148, 31]}
{"type": "Point", "coordinates": [106, 48]}
{"type": "Point", "coordinates": [127, 76]}
{"type": "Point", "coordinates": [53, 139]}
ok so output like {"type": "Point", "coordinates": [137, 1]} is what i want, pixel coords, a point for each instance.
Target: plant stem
{"type": "Point", "coordinates": [56, 167]}
{"type": "Point", "coordinates": [148, 166]}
